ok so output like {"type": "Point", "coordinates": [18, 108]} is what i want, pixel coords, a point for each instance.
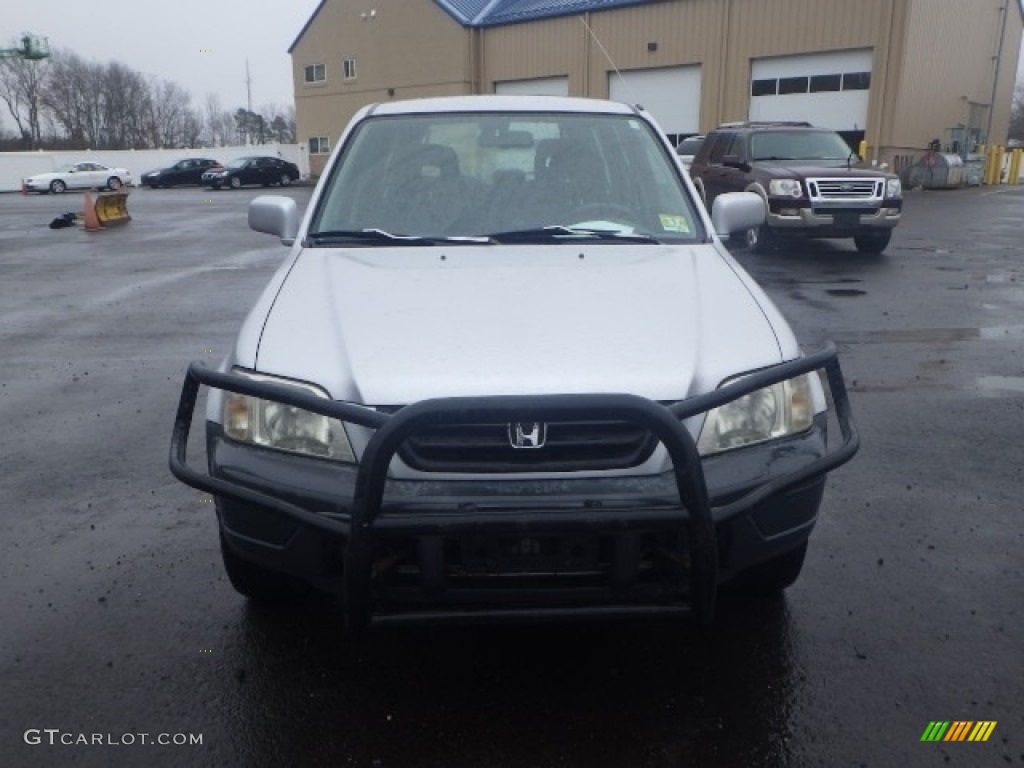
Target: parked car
{"type": "Point", "coordinates": [812, 182]}
{"type": "Point", "coordinates": [509, 370]}
{"type": "Point", "coordinates": [187, 171]}
{"type": "Point", "coordinates": [688, 147]}
{"type": "Point", "coordinates": [78, 176]}
{"type": "Point", "coordinates": [252, 170]}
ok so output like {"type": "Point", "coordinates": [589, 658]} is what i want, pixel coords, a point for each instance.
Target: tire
{"type": "Point", "coordinates": [58, 187]}
{"type": "Point", "coordinates": [154, 186]}
{"type": "Point", "coordinates": [872, 243]}
{"type": "Point", "coordinates": [236, 183]}
{"type": "Point", "coordinates": [285, 180]}
{"type": "Point", "coordinates": [259, 584]}
{"type": "Point", "coordinates": [113, 183]}
{"type": "Point", "coordinates": [760, 239]}
{"type": "Point", "coordinates": [768, 579]}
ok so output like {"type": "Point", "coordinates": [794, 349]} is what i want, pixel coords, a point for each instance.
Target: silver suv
{"type": "Point", "coordinates": [508, 370]}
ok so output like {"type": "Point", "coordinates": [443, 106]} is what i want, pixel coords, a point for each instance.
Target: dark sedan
{"type": "Point", "coordinates": [188, 171]}
{"type": "Point", "coordinates": [252, 170]}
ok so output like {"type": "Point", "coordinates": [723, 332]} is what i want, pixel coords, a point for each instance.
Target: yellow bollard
{"type": "Point", "coordinates": [862, 150]}
{"type": "Point", "coordinates": [1015, 157]}
{"type": "Point", "coordinates": [990, 165]}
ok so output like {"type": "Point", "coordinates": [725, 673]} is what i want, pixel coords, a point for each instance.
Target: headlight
{"type": "Point", "coordinates": [782, 409]}
{"type": "Point", "coordinates": [893, 188]}
{"type": "Point", "coordinates": [784, 187]}
{"type": "Point", "coordinates": [284, 427]}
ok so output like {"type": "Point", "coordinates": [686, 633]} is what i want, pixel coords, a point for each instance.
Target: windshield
{"type": "Point", "coordinates": [472, 175]}
{"type": "Point", "coordinates": [65, 168]}
{"type": "Point", "coordinates": [690, 146]}
{"type": "Point", "coordinates": [798, 145]}
{"type": "Point", "coordinates": [238, 163]}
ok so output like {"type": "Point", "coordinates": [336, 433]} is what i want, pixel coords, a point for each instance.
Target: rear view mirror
{"type": "Point", "coordinates": [506, 139]}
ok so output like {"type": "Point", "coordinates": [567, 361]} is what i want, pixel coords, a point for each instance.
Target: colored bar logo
{"type": "Point", "coordinates": [958, 730]}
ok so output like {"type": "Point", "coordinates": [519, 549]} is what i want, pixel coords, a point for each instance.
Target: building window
{"type": "Point", "coordinates": [349, 68]}
{"type": "Point", "coordinates": [319, 145]}
{"type": "Point", "coordinates": [767, 87]}
{"type": "Point", "coordinates": [856, 81]}
{"type": "Point", "coordinates": [792, 85]}
{"type": "Point", "coordinates": [825, 83]}
{"type": "Point", "coordinates": [316, 73]}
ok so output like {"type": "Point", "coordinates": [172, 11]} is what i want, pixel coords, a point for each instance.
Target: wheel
{"type": "Point", "coordinates": [113, 183]}
{"type": "Point", "coordinates": [872, 243]}
{"type": "Point", "coordinates": [255, 582]}
{"type": "Point", "coordinates": [57, 186]}
{"type": "Point", "coordinates": [236, 183]}
{"type": "Point", "coordinates": [154, 186]}
{"type": "Point", "coordinates": [285, 179]}
{"type": "Point", "coordinates": [760, 239]}
{"type": "Point", "coordinates": [769, 578]}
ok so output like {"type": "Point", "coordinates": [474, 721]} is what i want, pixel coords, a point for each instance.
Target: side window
{"type": "Point", "coordinates": [720, 148]}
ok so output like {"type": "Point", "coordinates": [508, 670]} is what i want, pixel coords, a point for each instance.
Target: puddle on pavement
{"type": "Point", "coordinates": [845, 292]}
{"type": "Point", "coordinates": [1001, 383]}
{"type": "Point", "coordinates": [1002, 277]}
{"type": "Point", "coordinates": [932, 335]}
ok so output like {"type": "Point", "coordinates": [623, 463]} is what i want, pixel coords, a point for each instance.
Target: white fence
{"type": "Point", "coordinates": [15, 166]}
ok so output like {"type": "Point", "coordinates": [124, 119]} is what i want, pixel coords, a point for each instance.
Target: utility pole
{"type": "Point", "coordinates": [248, 86]}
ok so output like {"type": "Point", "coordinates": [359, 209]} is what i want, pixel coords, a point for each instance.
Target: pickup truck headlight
{"type": "Point", "coordinates": [893, 188]}
{"type": "Point", "coordinates": [284, 427]}
{"type": "Point", "coordinates": [782, 409]}
{"type": "Point", "coordinates": [784, 188]}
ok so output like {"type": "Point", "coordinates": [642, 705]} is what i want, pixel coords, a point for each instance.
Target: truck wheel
{"type": "Point", "coordinates": [760, 239]}
{"type": "Point", "coordinates": [768, 579]}
{"type": "Point", "coordinates": [872, 243]}
{"type": "Point", "coordinates": [259, 584]}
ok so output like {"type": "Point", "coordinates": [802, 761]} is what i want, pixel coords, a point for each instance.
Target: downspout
{"type": "Point", "coordinates": [881, 105]}
{"type": "Point", "coordinates": [586, 56]}
{"type": "Point", "coordinates": [723, 75]}
{"type": "Point", "coordinates": [995, 73]}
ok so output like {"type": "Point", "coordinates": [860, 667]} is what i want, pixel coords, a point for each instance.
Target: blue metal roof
{"type": "Point", "coordinates": [490, 13]}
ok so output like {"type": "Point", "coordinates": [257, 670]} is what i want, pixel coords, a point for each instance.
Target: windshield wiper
{"type": "Point", "coordinates": [562, 233]}
{"type": "Point", "coordinates": [335, 236]}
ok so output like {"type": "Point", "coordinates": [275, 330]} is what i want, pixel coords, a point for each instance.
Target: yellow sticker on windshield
{"type": "Point", "coordinates": [672, 223]}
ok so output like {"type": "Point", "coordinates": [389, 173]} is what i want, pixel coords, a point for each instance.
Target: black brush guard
{"type": "Point", "coordinates": [368, 512]}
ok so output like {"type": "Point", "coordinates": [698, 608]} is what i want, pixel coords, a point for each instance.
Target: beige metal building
{"type": "Point", "coordinates": [897, 73]}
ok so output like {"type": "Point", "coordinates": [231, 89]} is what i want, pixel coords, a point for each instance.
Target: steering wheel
{"type": "Point", "coordinates": [605, 210]}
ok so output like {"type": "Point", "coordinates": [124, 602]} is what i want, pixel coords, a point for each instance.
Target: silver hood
{"type": "Point", "coordinates": [391, 326]}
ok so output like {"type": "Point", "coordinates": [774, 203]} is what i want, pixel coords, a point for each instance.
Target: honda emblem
{"type": "Point", "coordinates": [532, 434]}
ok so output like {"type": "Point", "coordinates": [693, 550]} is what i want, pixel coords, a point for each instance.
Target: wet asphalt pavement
{"type": "Point", "coordinates": [116, 618]}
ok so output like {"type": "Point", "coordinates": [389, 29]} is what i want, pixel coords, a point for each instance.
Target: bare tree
{"type": "Point", "coordinates": [22, 84]}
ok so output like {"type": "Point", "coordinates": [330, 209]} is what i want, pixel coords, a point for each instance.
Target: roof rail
{"type": "Point", "coordinates": [756, 123]}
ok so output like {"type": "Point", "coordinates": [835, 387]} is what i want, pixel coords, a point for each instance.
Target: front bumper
{"type": "Point", "coordinates": [834, 219]}
{"type": "Point", "coordinates": [632, 545]}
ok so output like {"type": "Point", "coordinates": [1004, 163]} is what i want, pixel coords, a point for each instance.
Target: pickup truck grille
{"type": "Point", "coordinates": [845, 189]}
{"type": "Point", "coordinates": [567, 447]}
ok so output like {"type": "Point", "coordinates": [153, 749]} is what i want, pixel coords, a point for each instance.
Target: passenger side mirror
{"type": "Point", "coordinates": [737, 211]}
{"type": "Point", "coordinates": [735, 161]}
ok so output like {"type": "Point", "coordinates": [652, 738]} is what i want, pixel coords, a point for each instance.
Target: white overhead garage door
{"type": "Point", "coordinates": [670, 94]}
{"type": "Point", "coordinates": [827, 89]}
{"type": "Point", "coordinates": [540, 86]}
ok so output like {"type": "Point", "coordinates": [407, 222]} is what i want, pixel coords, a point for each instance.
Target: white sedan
{"type": "Point", "coordinates": [78, 176]}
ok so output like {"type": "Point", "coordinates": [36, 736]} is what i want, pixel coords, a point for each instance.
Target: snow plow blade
{"type": "Point", "coordinates": [112, 208]}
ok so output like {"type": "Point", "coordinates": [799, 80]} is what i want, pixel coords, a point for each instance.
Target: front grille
{"type": "Point", "coordinates": [845, 189]}
{"type": "Point", "coordinates": [568, 447]}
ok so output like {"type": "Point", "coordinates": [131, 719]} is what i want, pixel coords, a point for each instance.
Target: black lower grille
{"type": "Point", "coordinates": [553, 447]}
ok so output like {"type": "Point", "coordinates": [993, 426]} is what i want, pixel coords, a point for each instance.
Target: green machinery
{"type": "Point", "coordinates": [32, 48]}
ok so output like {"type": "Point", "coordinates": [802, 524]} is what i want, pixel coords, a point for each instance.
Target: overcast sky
{"type": "Point", "coordinates": [167, 39]}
